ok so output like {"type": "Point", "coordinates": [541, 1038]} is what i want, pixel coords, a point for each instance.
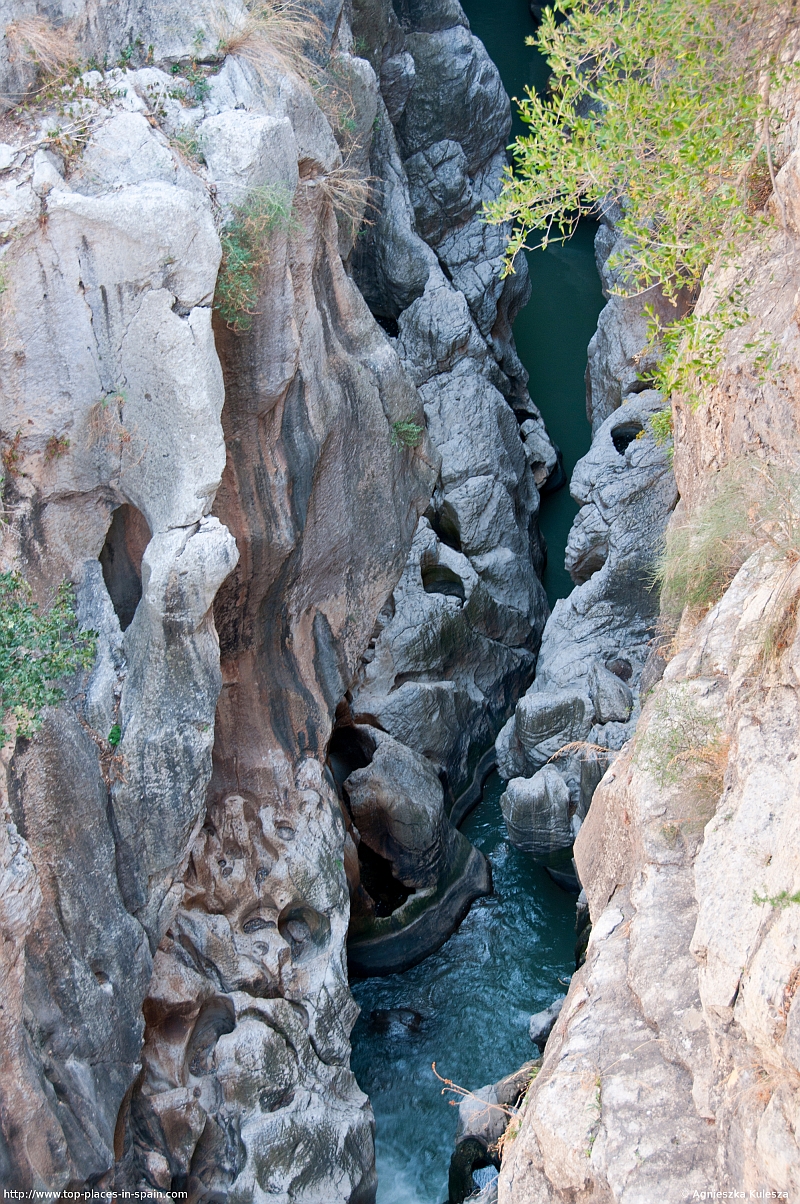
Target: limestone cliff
{"type": "Point", "coordinates": [673, 1067]}
{"type": "Point", "coordinates": [234, 504]}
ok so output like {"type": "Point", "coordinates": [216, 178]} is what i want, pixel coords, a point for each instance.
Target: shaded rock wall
{"type": "Point", "coordinates": [117, 861]}
{"type": "Point", "coordinates": [458, 640]}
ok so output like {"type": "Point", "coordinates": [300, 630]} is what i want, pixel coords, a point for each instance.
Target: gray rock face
{"type": "Point", "coordinates": [597, 640]}
{"type": "Point", "coordinates": [613, 700]}
{"type": "Point", "coordinates": [233, 561]}
{"type": "Point", "coordinates": [536, 811]}
{"type": "Point", "coordinates": [673, 1067]}
{"type": "Point", "coordinates": [542, 1023]}
{"type": "Point", "coordinates": [458, 639]}
{"type": "Point", "coordinates": [170, 922]}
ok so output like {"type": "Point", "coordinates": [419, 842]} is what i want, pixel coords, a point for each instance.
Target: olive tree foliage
{"type": "Point", "coordinates": [669, 109]}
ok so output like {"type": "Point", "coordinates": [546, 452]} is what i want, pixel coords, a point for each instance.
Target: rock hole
{"type": "Point", "coordinates": [439, 579]}
{"type": "Point", "coordinates": [305, 930]}
{"type": "Point", "coordinates": [348, 749]}
{"type": "Point", "coordinates": [469, 1156]}
{"type": "Point", "coordinates": [216, 1017]}
{"type": "Point", "coordinates": [620, 667]}
{"type": "Point", "coordinates": [121, 560]}
{"type": "Point", "coordinates": [377, 877]}
{"type": "Point", "coordinates": [622, 436]}
{"type": "Point", "coordinates": [388, 324]}
{"type": "Point", "coordinates": [256, 924]}
{"type": "Point", "coordinates": [445, 525]}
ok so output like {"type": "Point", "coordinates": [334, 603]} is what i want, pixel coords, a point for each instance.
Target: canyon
{"type": "Point", "coordinates": [305, 534]}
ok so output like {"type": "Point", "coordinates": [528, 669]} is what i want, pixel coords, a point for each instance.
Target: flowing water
{"type": "Point", "coordinates": [514, 951]}
{"type": "Point", "coordinates": [509, 958]}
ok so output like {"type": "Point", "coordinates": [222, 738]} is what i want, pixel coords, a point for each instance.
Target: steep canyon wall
{"type": "Point", "coordinates": [259, 551]}
{"type": "Point", "coordinates": [672, 1069]}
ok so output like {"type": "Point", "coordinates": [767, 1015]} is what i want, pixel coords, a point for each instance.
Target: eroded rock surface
{"type": "Point", "coordinates": [222, 899]}
{"type": "Point", "coordinates": [458, 640]}
{"type": "Point", "coordinates": [597, 640]}
{"type": "Point", "coordinates": [174, 923]}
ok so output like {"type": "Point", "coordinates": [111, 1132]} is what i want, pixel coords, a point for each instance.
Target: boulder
{"type": "Point", "coordinates": [541, 1023]}
{"type": "Point", "coordinates": [612, 698]}
{"type": "Point", "coordinates": [542, 724]}
{"type": "Point", "coordinates": [419, 873]}
{"type": "Point", "coordinates": [536, 811]}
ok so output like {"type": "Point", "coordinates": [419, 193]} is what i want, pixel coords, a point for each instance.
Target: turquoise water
{"type": "Point", "coordinates": [509, 958]}
{"type": "Point", "coordinates": [553, 330]}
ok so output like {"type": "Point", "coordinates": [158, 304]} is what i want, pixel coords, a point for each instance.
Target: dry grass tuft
{"type": "Point", "coordinates": [685, 745]}
{"type": "Point", "coordinates": [752, 504]}
{"type": "Point", "coordinates": [105, 426]}
{"type": "Point", "coordinates": [36, 40]}
{"type": "Point", "coordinates": [348, 192]}
{"type": "Point", "coordinates": [279, 35]}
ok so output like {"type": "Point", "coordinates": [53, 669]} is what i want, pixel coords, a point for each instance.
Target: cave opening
{"type": "Point", "coordinates": [623, 435]}
{"type": "Point", "coordinates": [121, 560]}
{"type": "Point", "coordinates": [348, 749]}
{"type": "Point", "coordinates": [377, 877]}
{"type": "Point", "coordinates": [439, 579]}
{"type": "Point", "coordinates": [445, 525]}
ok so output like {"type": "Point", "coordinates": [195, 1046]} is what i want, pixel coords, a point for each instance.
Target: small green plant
{"type": "Point", "coordinates": [245, 250]}
{"type": "Point", "coordinates": [782, 899]}
{"type": "Point", "coordinates": [38, 650]}
{"type": "Point", "coordinates": [130, 51]}
{"type": "Point", "coordinates": [661, 426]}
{"type": "Point", "coordinates": [407, 433]}
{"type": "Point", "coordinates": [57, 446]}
{"type": "Point", "coordinates": [187, 143]}
{"type": "Point", "coordinates": [115, 735]}
{"type": "Point", "coordinates": [197, 86]}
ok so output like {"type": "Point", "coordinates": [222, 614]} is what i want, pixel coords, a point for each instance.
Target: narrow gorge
{"type": "Point", "coordinates": [318, 766]}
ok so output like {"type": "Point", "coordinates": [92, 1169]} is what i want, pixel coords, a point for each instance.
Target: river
{"type": "Point", "coordinates": [514, 951]}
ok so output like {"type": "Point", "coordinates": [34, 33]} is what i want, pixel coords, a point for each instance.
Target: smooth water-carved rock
{"type": "Point", "coordinates": [597, 640]}
{"type": "Point", "coordinates": [441, 680]}
{"type": "Point", "coordinates": [417, 874]}
{"type": "Point", "coordinates": [536, 811]}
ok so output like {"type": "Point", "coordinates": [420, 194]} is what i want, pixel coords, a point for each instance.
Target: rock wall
{"type": "Point", "coordinates": [458, 639]}
{"type": "Point", "coordinates": [234, 510]}
{"type": "Point", "coordinates": [673, 1066]}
